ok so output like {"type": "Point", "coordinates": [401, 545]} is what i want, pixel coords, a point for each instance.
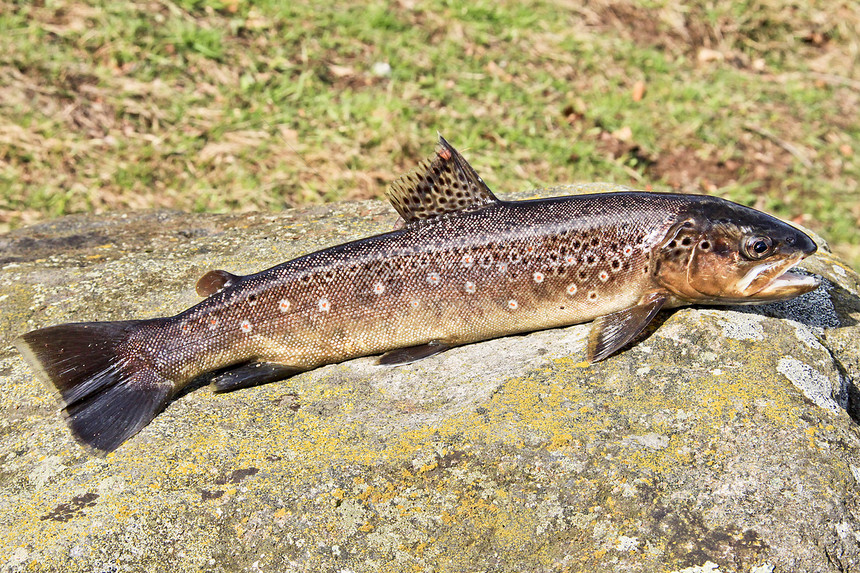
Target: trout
{"type": "Point", "coordinates": [464, 266]}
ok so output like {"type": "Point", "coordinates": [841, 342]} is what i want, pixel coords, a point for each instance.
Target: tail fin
{"type": "Point", "coordinates": [109, 393]}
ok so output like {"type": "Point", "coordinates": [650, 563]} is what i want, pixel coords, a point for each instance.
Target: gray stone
{"type": "Point", "coordinates": [725, 440]}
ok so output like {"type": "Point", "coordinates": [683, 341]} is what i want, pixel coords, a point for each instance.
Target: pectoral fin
{"type": "Point", "coordinates": [412, 353]}
{"type": "Point", "coordinates": [613, 331]}
{"type": "Point", "coordinates": [251, 374]}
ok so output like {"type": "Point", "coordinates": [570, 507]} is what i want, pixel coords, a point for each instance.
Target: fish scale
{"type": "Point", "coordinates": [360, 322]}
{"type": "Point", "coordinates": [463, 267]}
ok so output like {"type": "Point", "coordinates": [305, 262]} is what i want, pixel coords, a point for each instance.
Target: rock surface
{"type": "Point", "coordinates": [724, 441]}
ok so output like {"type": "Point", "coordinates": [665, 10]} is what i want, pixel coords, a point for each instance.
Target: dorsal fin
{"type": "Point", "coordinates": [216, 281]}
{"type": "Point", "coordinates": [443, 183]}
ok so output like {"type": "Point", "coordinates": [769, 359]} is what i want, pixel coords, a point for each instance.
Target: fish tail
{"type": "Point", "coordinates": [108, 390]}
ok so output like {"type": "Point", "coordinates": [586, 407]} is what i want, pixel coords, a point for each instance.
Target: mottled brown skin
{"type": "Point", "coordinates": [465, 267]}
{"type": "Point", "coordinates": [504, 269]}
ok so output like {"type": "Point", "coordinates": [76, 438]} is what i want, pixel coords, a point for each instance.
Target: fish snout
{"type": "Point", "coordinates": [799, 242]}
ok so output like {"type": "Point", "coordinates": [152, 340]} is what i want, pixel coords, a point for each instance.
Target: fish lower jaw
{"type": "Point", "coordinates": [794, 281]}
{"type": "Point", "coordinates": [786, 285]}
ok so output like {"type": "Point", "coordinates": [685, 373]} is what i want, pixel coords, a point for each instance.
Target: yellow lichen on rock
{"type": "Point", "coordinates": [691, 445]}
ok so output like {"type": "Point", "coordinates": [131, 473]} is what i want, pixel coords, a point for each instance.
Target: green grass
{"type": "Point", "coordinates": [238, 105]}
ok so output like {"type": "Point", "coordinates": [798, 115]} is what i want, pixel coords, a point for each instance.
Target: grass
{"type": "Point", "coordinates": [262, 105]}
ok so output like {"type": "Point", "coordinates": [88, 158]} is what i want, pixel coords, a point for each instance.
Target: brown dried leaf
{"type": "Point", "coordinates": [638, 91]}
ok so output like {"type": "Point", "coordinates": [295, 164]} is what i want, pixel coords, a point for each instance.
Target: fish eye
{"type": "Point", "coordinates": [757, 247]}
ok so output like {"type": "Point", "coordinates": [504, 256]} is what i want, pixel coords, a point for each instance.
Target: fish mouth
{"type": "Point", "coordinates": [775, 281]}
{"type": "Point", "coordinates": [788, 285]}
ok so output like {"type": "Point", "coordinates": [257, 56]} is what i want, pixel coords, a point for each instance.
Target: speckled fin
{"type": "Point", "coordinates": [252, 374]}
{"type": "Point", "coordinates": [216, 281]}
{"type": "Point", "coordinates": [613, 331]}
{"type": "Point", "coordinates": [412, 353]}
{"type": "Point", "coordinates": [443, 183]}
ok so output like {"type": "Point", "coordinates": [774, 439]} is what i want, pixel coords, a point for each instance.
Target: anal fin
{"type": "Point", "coordinates": [251, 374]}
{"type": "Point", "coordinates": [611, 332]}
{"type": "Point", "coordinates": [411, 354]}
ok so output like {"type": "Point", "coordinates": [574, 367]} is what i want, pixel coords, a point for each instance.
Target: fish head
{"type": "Point", "coordinates": [721, 252]}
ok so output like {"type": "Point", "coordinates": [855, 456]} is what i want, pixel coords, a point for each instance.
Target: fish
{"type": "Point", "coordinates": [463, 266]}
